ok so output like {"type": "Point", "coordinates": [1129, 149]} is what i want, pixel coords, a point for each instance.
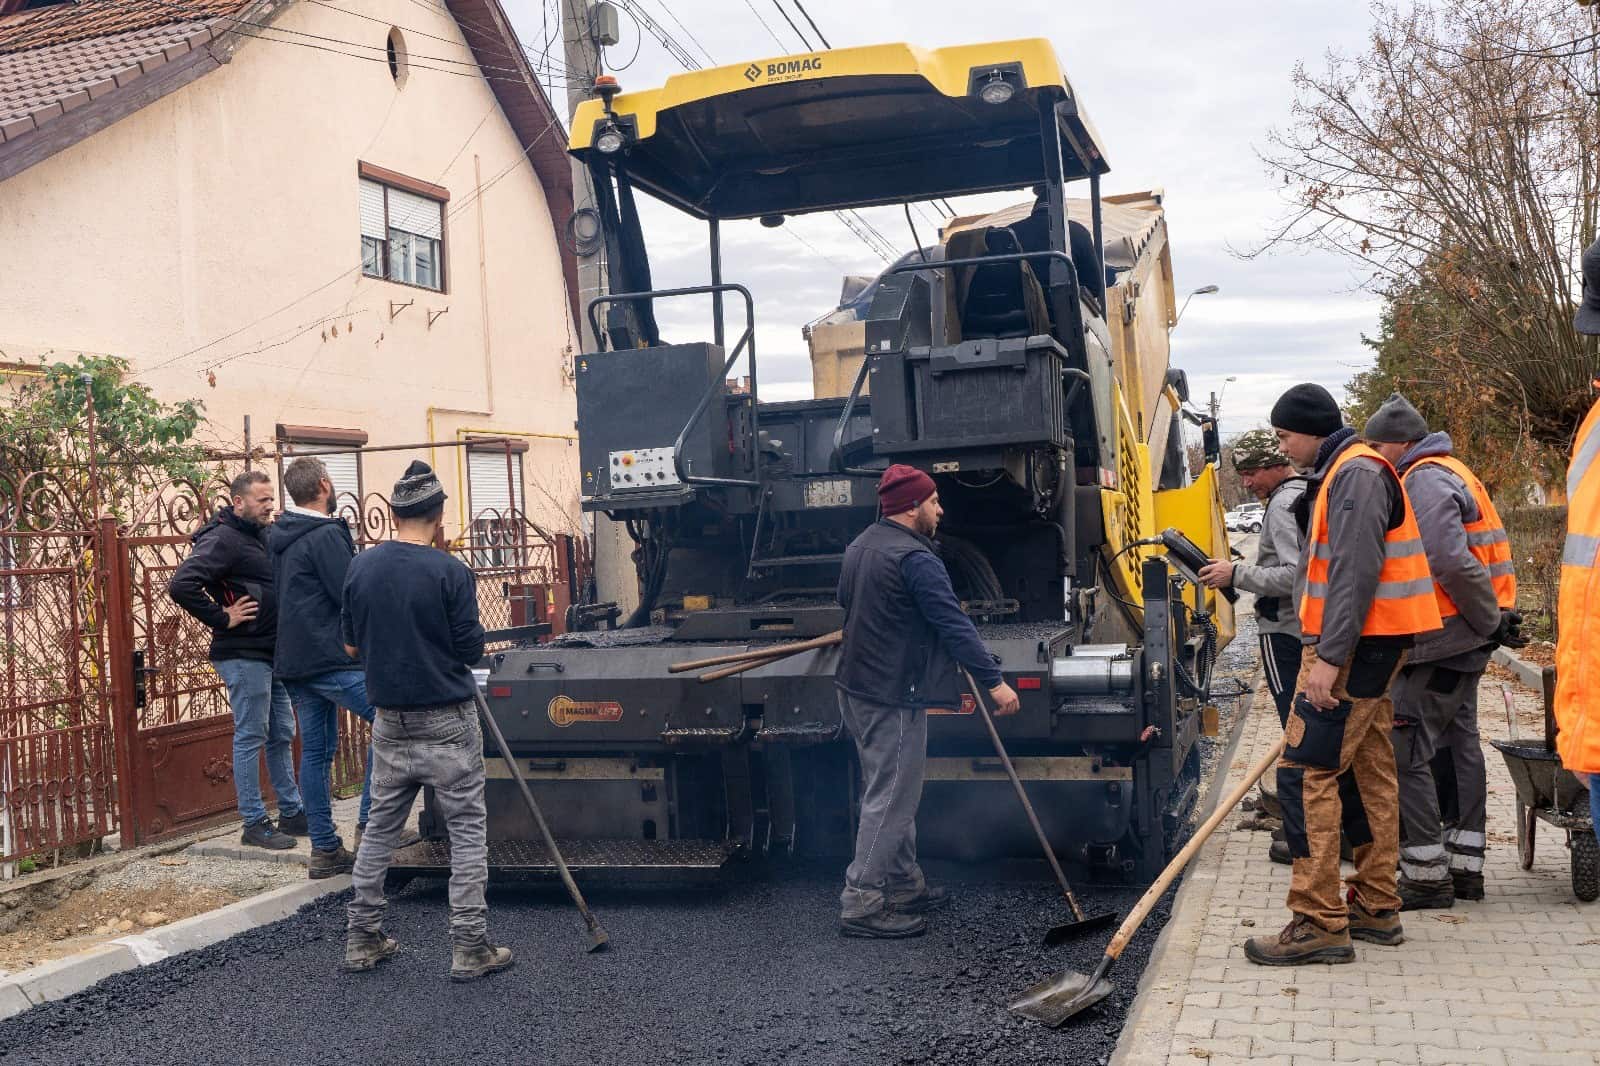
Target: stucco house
{"type": "Point", "coordinates": [342, 220]}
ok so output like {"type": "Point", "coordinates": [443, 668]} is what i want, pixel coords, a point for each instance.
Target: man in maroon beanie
{"type": "Point", "coordinates": [905, 642]}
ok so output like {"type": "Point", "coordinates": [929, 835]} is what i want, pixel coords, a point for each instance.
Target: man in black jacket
{"type": "Point", "coordinates": [311, 550]}
{"type": "Point", "coordinates": [906, 640]}
{"type": "Point", "coordinates": [226, 582]}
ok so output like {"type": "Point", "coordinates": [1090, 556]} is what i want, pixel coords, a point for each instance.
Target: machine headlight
{"type": "Point", "coordinates": [610, 140]}
{"type": "Point", "coordinates": [997, 90]}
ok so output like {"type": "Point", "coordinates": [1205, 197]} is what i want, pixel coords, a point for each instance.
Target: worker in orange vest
{"type": "Point", "coordinates": [1364, 593]}
{"type": "Point", "coordinates": [1578, 612]}
{"type": "Point", "coordinates": [1436, 695]}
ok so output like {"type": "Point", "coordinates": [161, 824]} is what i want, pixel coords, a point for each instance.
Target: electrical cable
{"type": "Point", "coordinates": [813, 23]}
{"type": "Point", "coordinates": [914, 238]}
{"type": "Point", "coordinates": [764, 25]}
{"type": "Point", "coordinates": [637, 44]}
{"type": "Point", "coordinates": [803, 40]}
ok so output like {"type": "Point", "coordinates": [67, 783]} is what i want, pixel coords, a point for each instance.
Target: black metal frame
{"type": "Point", "coordinates": [748, 337]}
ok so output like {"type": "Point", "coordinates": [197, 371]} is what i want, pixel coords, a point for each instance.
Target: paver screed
{"type": "Point", "coordinates": [1512, 980]}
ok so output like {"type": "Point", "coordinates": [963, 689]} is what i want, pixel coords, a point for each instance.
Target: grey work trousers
{"type": "Point", "coordinates": [1438, 707]}
{"type": "Point", "coordinates": [440, 748]}
{"type": "Point", "coordinates": [892, 743]}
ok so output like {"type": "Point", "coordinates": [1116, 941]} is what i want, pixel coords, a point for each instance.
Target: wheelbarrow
{"type": "Point", "coordinates": [1548, 792]}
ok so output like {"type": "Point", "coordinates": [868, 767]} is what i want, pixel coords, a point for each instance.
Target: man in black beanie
{"type": "Point", "coordinates": [1362, 591]}
{"type": "Point", "coordinates": [411, 616]}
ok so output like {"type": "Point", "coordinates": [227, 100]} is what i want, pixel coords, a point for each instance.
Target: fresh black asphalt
{"type": "Point", "coordinates": [753, 973]}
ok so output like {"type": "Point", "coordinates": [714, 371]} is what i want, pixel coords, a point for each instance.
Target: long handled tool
{"type": "Point", "coordinates": [775, 654]}
{"type": "Point", "coordinates": [1055, 999]}
{"type": "Point", "coordinates": [1081, 923]}
{"type": "Point", "coordinates": [778, 650]}
{"type": "Point", "coordinates": [597, 936]}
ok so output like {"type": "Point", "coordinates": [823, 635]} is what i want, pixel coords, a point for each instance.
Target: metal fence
{"type": "Point", "coordinates": [111, 716]}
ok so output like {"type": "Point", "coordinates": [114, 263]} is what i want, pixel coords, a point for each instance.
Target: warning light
{"type": "Point", "coordinates": [500, 692]}
{"type": "Point", "coordinates": [1030, 684]}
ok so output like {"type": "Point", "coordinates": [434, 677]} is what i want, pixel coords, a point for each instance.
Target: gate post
{"type": "Point", "coordinates": [117, 607]}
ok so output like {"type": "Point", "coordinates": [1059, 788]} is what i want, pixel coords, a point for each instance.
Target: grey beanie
{"type": "Point", "coordinates": [417, 492]}
{"type": "Point", "coordinates": [1396, 422]}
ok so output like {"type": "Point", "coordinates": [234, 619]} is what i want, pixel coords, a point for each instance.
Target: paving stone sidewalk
{"type": "Point", "coordinates": [1513, 980]}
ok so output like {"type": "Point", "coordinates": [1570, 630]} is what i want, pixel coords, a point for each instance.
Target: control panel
{"type": "Point", "coordinates": [642, 468]}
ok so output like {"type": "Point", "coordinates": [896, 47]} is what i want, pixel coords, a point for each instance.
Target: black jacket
{"type": "Point", "coordinates": [309, 559]}
{"type": "Point", "coordinates": [229, 561]}
{"type": "Point", "coordinates": [904, 631]}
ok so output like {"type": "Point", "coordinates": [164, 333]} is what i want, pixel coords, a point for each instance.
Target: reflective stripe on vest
{"type": "Point", "coordinates": [1486, 538]}
{"type": "Point", "coordinates": [1404, 604]}
{"type": "Point", "coordinates": [1578, 610]}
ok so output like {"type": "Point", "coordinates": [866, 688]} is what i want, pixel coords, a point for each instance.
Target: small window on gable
{"type": "Point", "coordinates": [402, 229]}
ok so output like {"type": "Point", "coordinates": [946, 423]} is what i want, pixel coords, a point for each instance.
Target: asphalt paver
{"type": "Point", "coordinates": [748, 973]}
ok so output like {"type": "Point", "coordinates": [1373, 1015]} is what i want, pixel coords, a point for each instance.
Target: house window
{"type": "Point", "coordinates": [402, 228]}
{"type": "Point", "coordinates": [495, 496]}
{"type": "Point", "coordinates": [344, 467]}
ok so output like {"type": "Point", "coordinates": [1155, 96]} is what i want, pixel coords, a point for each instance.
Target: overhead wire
{"type": "Point", "coordinates": [779, 5]}
{"type": "Point", "coordinates": [813, 23]}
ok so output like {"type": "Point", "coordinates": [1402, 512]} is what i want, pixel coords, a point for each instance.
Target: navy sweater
{"type": "Point", "coordinates": [412, 612]}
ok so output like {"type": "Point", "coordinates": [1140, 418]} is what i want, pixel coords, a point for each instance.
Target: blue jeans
{"type": "Point", "coordinates": [263, 717]}
{"type": "Point", "coordinates": [317, 701]}
{"type": "Point", "coordinates": [1594, 801]}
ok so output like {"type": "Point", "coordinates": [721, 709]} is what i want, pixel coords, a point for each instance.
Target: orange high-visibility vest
{"type": "Point", "coordinates": [1486, 538]}
{"type": "Point", "coordinates": [1578, 612]}
{"type": "Point", "coordinates": [1404, 604]}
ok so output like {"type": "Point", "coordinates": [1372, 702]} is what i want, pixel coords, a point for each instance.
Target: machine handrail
{"type": "Point", "coordinates": [836, 458]}
{"type": "Point", "coordinates": [747, 337]}
{"type": "Point", "coordinates": [980, 260]}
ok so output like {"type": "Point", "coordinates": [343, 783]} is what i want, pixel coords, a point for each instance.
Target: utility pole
{"type": "Point", "coordinates": [615, 577]}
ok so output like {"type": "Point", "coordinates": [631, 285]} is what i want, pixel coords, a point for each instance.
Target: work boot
{"type": "Point", "coordinates": [294, 824]}
{"type": "Point", "coordinates": [363, 950]}
{"type": "Point", "coordinates": [929, 899]}
{"type": "Point", "coordinates": [1426, 895]}
{"type": "Point", "coordinates": [1467, 886]}
{"type": "Point", "coordinates": [1269, 805]}
{"type": "Point", "coordinates": [1279, 834]}
{"type": "Point", "coordinates": [263, 835]}
{"type": "Point", "coordinates": [1279, 853]}
{"type": "Point", "coordinates": [887, 924]}
{"type": "Point", "coordinates": [331, 863]}
{"type": "Point", "coordinates": [1375, 927]}
{"type": "Point", "coordinates": [1302, 941]}
{"type": "Point", "coordinates": [408, 838]}
{"type": "Point", "coordinates": [471, 961]}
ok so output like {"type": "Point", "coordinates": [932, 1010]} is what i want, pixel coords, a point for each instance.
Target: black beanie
{"type": "Point", "coordinates": [417, 492]}
{"type": "Point", "coordinates": [1308, 409]}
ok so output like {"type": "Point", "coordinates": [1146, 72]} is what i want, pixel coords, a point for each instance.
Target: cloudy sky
{"type": "Point", "coordinates": [1183, 95]}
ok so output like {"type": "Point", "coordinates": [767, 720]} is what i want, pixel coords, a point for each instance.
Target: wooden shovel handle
{"type": "Point", "coordinates": [777, 650]}
{"type": "Point", "coordinates": [771, 655]}
{"type": "Point", "coordinates": [1147, 902]}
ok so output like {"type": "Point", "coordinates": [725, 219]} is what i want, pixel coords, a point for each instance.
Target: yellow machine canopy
{"type": "Point", "coordinates": [845, 128]}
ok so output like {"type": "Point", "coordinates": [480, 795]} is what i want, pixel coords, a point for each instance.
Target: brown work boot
{"type": "Point", "coordinates": [887, 924]}
{"type": "Point", "coordinates": [468, 962]}
{"type": "Point", "coordinates": [1375, 927]}
{"type": "Point", "coordinates": [363, 951]}
{"type": "Point", "coordinates": [1302, 941]}
{"type": "Point", "coordinates": [332, 863]}
{"type": "Point", "coordinates": [931, 898]}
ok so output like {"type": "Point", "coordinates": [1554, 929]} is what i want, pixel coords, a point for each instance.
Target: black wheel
{"type": "Point", "coordinates": [1255, 527]}
{"type": "Point", "coordinates": [1585, 865]}
{"type": "Point", "coordinates": [1527, 823]}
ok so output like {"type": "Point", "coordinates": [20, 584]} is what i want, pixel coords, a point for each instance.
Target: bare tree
{"type": "Point", "coordinates": [1457, 156]}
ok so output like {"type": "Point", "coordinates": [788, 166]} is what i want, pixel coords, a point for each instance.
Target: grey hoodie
{"type": "Point", "coordinates": [1271, 577]}
{"type": "Point", "coordinates": [1444, 507]}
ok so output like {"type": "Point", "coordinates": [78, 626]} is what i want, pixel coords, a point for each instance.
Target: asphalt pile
{"type": "Point", "coordinates": [751, 973]}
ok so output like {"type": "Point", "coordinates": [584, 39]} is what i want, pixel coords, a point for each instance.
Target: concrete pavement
{"type": "Point", "coordinates": [1513, 980]}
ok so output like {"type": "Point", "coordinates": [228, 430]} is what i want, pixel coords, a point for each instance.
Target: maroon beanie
{"type": "Point", "coordinates": [903, 488]}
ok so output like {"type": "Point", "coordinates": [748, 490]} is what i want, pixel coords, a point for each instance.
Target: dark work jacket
{"type": "Point", "coordinates": [904, 632]}
{"type": "Point", "coordinates": [229, 561]}
{"type": "Point", "coordinates": [309, 559]}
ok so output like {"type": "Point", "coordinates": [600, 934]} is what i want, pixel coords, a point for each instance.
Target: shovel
{"type": "Point", "coordinates": [1055, 999]}
{"type": "Point", "coordinates": [597, 937]}
{"type": "Point", "coordinates": [1081, 923]}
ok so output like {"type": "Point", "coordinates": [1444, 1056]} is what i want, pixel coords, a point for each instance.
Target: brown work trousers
{"type": "Point", "coordinates": [1360, 795]}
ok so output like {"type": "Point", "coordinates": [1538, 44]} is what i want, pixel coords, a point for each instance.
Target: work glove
{"type": "Point", "coordinates": [1508, 634]}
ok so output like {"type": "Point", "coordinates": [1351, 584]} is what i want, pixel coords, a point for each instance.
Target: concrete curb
{"type": "Point", "coordinates": [228, 847]}
{"type": "Point", "coordinates": [1148, 1029]}
{"type": "Point", "coordinates": [68, 976]}
{"type": "Point", "coordinates": [1529, 674]}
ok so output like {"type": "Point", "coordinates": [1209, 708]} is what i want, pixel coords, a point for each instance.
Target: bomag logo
{"type": "Point", "coordinates": [564, 711]}
{"type": "Point", "coordinates": [783, 70]}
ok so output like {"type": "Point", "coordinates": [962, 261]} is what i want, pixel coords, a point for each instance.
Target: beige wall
{"type": "Point", "coordinates": [216, 231]}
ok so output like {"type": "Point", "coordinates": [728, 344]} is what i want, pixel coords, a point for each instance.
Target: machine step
{"type": "Point", "coordinates": [598, 859]}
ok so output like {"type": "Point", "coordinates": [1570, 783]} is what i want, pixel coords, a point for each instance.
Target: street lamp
{"type": "Point", "coordinates": [1216, 397]}
{"type": "Point", "coordinates": [1204, 290]}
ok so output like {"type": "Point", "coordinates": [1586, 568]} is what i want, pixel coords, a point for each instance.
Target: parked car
{"type": "Point", "coordinates": [1246, 518]}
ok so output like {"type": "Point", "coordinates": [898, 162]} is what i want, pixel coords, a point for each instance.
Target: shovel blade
{"type": "Point", "coordinates": [1056, 999]}
{"type": "Point", "coordinates": [598, 939]}
{"type": "Point", "coordinates": [1060, 934]}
